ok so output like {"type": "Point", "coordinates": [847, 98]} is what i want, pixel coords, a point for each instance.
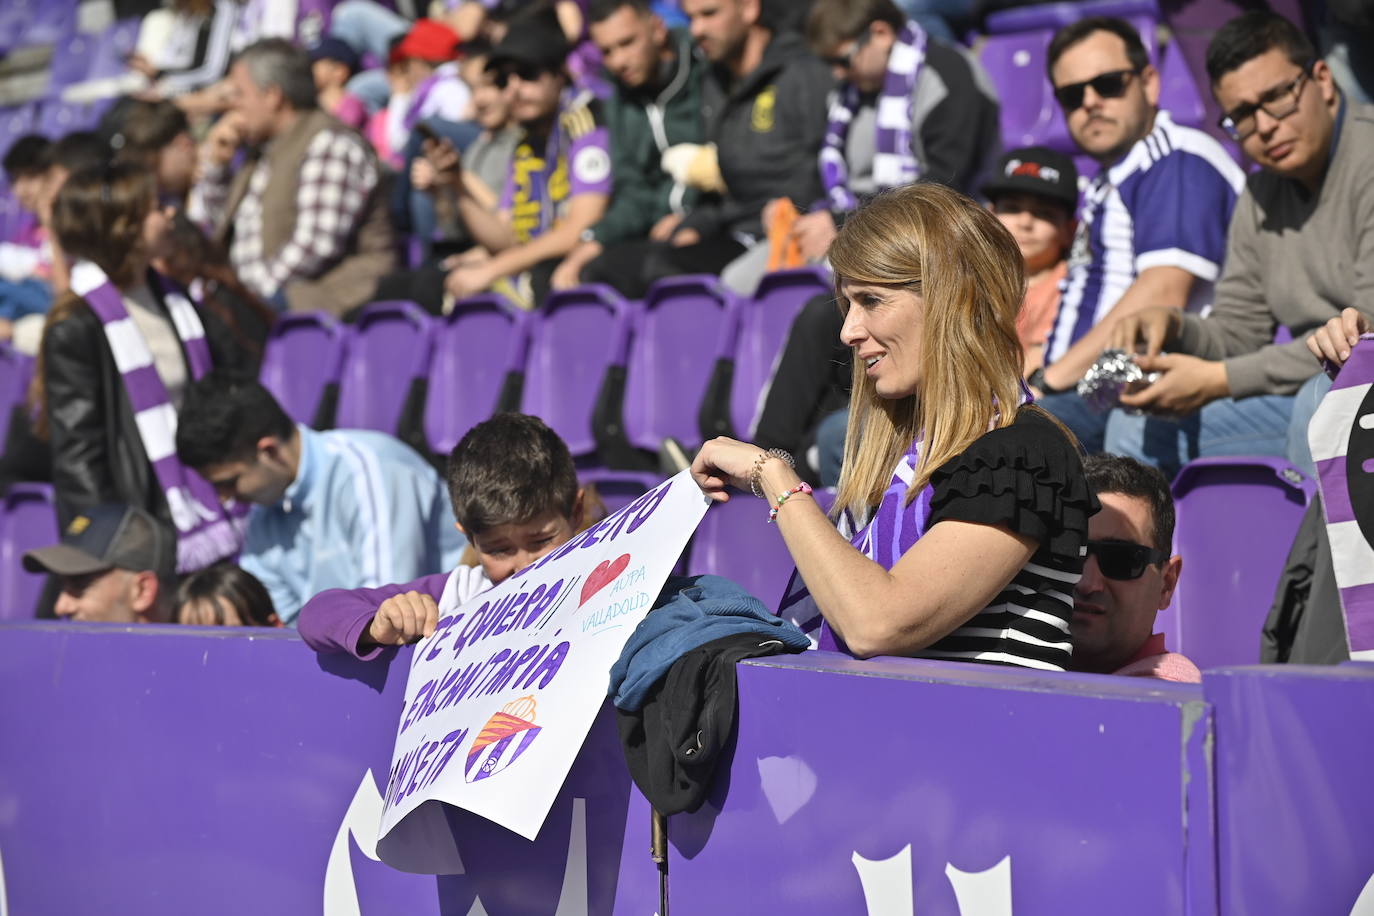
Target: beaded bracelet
{"type": "Point", "coordinates": [802, 487]}
{"type": "Point", "coordinates": [756, 473]}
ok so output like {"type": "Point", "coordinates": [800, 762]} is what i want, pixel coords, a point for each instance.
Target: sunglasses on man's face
{"type": "Point", "coordinates": [1122, 560]}
{"type": "Point", "coordinates": [1109, 85]}
{"type": "Point", "coordinates": [527, 73]}
{"type": "Point", "coordinates": [846, 60]}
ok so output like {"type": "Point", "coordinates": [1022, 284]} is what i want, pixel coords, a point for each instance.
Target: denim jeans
{"type": "Point", "coordinates": [1262, 425]}
{"type": "Point", "coordinates": [1084, 422]}
{"type": "Point", "coordinates": [830, 446]}
{"type": "Point", "coordinates": [366, 26]}
{"type": "Point", "coordinates": [414, 211]}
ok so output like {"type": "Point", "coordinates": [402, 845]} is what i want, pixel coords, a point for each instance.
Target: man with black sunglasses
{"type": "Point", "coordinates": [1299, 256]}
{"type": "Point", "coordinates": [1152, 227]}
{"type": "Point", "coordinates": [1129, 576]}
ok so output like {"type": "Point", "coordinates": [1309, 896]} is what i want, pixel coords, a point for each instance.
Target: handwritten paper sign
{"type": "Point", "coordinates": [502, 695]}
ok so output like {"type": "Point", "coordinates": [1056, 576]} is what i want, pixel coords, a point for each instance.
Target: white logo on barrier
{"type": "Point", "coordinates": [360, 822]}
{"type": "Point", "coordinates": [887, 886]}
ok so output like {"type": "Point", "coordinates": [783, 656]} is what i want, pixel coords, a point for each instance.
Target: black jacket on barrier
{"type": "Point", "coordinates": [98, 454]}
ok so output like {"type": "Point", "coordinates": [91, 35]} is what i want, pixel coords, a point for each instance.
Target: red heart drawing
{"type": "Point", "coordinates": [604, 574]}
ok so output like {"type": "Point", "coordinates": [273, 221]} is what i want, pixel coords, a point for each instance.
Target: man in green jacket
{"type": "Point", "coordinates": [656, 104]}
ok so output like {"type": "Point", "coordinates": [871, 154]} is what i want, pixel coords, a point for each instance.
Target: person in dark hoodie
{"type": "Point", "coordinates": [763, 103]}
{"type": "Point", "coordinates": [656, 104]}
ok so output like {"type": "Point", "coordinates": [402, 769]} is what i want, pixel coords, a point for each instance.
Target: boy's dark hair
{"type": "Point", "coordinates": [81, 149]}
{"type": "Point", "coordinates": [240, 588]}
{"type": "Point", "coordinates": [832, 23]}
{"type": "Point", "coordinates": [1251, 34]}
{"type": "Point", "coordinates": [146, 127]}
{"type": "Point", "coordinates": [223, 415]}
{"type": "Point", "coordinates": [507, 470]}
{"type": "Point", "coordinates": [601, 10]}
{"type": "Point", "coordinates": [1128, 477]}
{"type": "Point", "coordinates": [27, 156]}
{"type": "Point", "coordinates": [1075, 32]}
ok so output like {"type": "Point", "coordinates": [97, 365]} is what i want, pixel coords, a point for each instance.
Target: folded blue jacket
{"type": "Point", "coordinates": [690, 612]}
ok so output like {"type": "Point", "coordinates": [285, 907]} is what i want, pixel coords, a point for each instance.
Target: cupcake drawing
{"type": "Point", "coordinates": [504, 738]}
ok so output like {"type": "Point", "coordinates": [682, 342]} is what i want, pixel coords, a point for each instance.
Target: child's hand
{"type": "Point", "coordinates": [403, 619]}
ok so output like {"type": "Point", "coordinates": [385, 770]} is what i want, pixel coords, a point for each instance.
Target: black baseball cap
{"type": "Point", "coordinates": [1035, 170]}
{"type": "Point", "coordinates": [533, 45]}
{"type": "Point", "coordinates": [109, 537]}
{"type": "Point", "coordinates": [334, 49]}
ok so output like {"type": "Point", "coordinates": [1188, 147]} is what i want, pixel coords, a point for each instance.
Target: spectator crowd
{"type": "Point", "coordinates": [242, 170]}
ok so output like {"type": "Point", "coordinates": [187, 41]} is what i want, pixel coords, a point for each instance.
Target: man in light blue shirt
{"type": "Point", "coordinates": [339, 509]}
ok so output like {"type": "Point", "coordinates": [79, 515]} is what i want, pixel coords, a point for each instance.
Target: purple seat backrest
{"type": "Point", "coordinates": [56, 119]}
{"type": "Point", "coordinates": [52, 22]}
{"type": "Point", "coordinates": [1178, 91]}
{"type": "Point", "coordinates": [480, 341]}
{"type": "Point", "coordinates": [16, 370]}
{"type": "Point", "coordinates": [733, 541]}
{"type": "Point", "coordinates": [1236, 518]}
{"type": "Point", "coordinates": [391, 345]}
{"type": "Point", "coordinates": [112, 48]}
{"type": "Point", "coordinates": [1053, 16]}
{"type": "Point", "coordinates": [618, 489]}
{"type": "Point", "coordinates": [676, 338]}
{"type": "Point", "coordinates": [14, 123]}
{"type": "Point", "coordinates": [71, 61]}
{"type": "Point", "coordinates": [578, 334]}
{"type": "Point", "coordinates": [28, 521]}
{"type": "Point", "coordinates": [763, 327]}
{"type": "Point", "coordinates": [304, 355]}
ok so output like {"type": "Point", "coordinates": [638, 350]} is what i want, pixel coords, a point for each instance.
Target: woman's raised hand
{"type": "Point", "coordinates": [722, 463]}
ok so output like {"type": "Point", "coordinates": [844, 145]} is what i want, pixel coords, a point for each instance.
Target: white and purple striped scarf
{"type": "Point", "coordinates": [206, 533]}
{"type": "Point", "coordinates": [894, 163]}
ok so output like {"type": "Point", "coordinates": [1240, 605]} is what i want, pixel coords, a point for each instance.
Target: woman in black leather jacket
{"type": "Point", "coordinates": [109, 216]}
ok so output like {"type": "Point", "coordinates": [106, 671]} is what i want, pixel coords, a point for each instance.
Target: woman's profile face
{"type": "Point", "coordinates": [884, 326]}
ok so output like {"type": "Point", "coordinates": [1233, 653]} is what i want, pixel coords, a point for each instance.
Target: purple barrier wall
{"type": "Point", "coordinates": [183, 770]}
{"type": "Point", "coordinates": [1295, 804]}
{"type": "Point", "coordinates": [938, 788]}
{"type": "Point", "coordinates": [180, 770]}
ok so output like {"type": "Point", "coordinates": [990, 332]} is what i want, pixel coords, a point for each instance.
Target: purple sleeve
{"type": "Point", "coordinates": [334, 620]}
{"type": "Point", "coordinates": [589, 163]}
{"type": "Point", "coordinates": [1180, 212]}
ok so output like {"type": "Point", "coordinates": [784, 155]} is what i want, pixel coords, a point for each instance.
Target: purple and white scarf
{"type": "Point", "coordinates": [206, 533]}
{"type": "Point", "coordinates": [418, 99]}
{"type": "Point", "coordinates": [894, 163]}
{"type": "Point", "coordinates": [884, 537]}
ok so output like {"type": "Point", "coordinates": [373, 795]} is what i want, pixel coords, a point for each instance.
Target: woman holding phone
{"type": "Point", "coordinates": [962, 508]}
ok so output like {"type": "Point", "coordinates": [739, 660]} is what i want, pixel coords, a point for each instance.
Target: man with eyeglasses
{"type": "Point", "coordinates": [1129, 576]}
{"type": "Point", "coordinates": [1299, 256]}
{"type": "Point", "coordinates": [1152, 227]}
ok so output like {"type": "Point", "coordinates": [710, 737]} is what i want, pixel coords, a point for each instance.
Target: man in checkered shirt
{"type": "Point", "coordinates": [305, 219]}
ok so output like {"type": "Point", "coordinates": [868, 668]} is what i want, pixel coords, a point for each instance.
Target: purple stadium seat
{"type": "Point", "coordinates": [1236, 522]}
{"type": "Point", "coordinates": [618, 489]}
{"type": "Point", "coordinates": [1178, 91]}
{"type": "Point", "coordinates": [56, 119]}
{"type": "Point", "coordinates": [111, 49]}
{"type": "Point", "coordinates": [389, 353]}
{"type": "Point", "coordinates": [52, 22]}
{"type": "Point", "coordinates": [15, 371]}
{"type": "Point", "coordinates": [1053, 16]}
{"type": "Point", "coordinates": [575, 340]}
{"type": "Point", "coordinates": [302, 365]}
{"type": "Point", "coordinates": [15, 123]}
{"type": "Point", "coordinates": [677, 336]}
{"type": "Point", "coordinates": [71, 62]}
{"type": "Point", "coordinates": [764, 321]}
{"type": "Point", "coordinates": [28, 520]}
{"type": "Point", "coordinates": [479, 356]}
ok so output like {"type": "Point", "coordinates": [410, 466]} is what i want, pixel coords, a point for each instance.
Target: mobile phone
{"type": "Point", "coordinates": [427, 132]}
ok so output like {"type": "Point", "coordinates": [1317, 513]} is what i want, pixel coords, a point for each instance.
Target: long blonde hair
{"type": "Point", "coordinates": [959, 258]}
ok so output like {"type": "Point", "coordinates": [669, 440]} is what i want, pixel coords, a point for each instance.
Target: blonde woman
{"type": "Point", "coordinates": [962, 510]}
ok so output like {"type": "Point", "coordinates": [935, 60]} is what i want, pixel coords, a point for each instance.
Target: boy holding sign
{"type": "Point", "coordinates": [515, 495]}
